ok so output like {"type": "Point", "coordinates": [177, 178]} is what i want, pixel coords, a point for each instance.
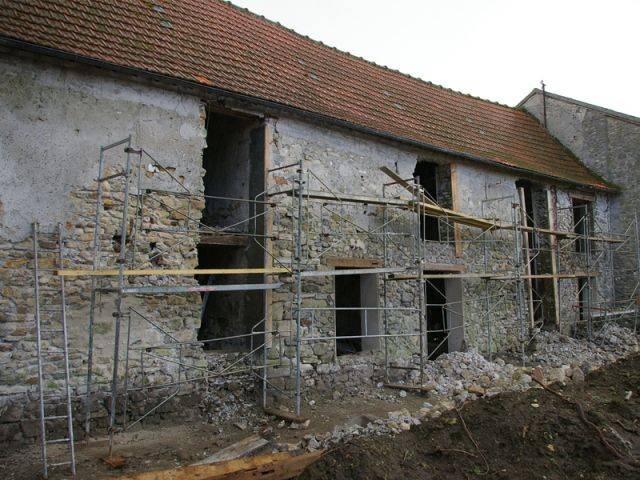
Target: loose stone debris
{"type": "Point", "coordinates": [457, 377]}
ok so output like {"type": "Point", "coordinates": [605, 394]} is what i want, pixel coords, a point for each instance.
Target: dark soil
{"type": "Point", "coordinates": [530, 435]}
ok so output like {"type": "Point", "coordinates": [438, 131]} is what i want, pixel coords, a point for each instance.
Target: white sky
{"type": "Point", "coordinates": [494, 49]}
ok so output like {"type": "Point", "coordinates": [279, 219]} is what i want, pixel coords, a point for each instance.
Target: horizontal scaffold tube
{"type": "Point", "coordinates": [202, 288]}
{"type": "Point", "coordinates": [167, 272]}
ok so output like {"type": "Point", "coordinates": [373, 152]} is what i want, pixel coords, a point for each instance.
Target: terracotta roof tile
{"type": "Point", "coordinates": [217, 44]}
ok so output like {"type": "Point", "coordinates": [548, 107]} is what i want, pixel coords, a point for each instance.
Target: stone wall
{"type": "Point", "coordinates": [349, 164]}
{"type": "Point", "coordinates": [72, 111]}
{"type": "Point", "coordinates": [56, 118]}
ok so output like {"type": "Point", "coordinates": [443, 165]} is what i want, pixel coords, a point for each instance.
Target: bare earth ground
{"type": "Point", "coordinates": [522, 435]}
{"type": "Point", "coordinates": [526, 435]}
{"type": "Point", "coordinates": [174, 443]}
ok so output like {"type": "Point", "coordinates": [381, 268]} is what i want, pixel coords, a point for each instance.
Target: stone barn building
{"type": "Point", "coordinates": [213, 193]}
{"type": "Point", "coordinates": [606, 141]}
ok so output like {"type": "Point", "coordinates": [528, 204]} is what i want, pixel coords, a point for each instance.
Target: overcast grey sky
{"type": "Point", "coordinates": [494, 49]}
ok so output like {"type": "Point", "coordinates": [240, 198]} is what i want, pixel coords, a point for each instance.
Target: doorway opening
{"type": "Point", "coordinates": [535, 205]}
{"type": "Point", "coordinates": [583, 292]}
{"type": "Point", "coordinates": [444, 311]}
{"type": "Point", "coordinates": [437, 325]}
{"type": "Point", "coordinates": [356, 300]}
{"type": "Point", "coordinates": [233, 161]}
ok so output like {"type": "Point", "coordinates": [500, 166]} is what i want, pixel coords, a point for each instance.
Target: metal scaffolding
{"type": "Point", "coordinates": [312, 209]}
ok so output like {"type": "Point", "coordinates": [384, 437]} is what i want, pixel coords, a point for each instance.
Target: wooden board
{"type": "Point", "coordinates": [273, 466]}
{"type": "Point", "coordinates": [239, 449]}
{"type": "Point", "coordinates": [437, 211]}
{"type": "Point", "coordinates": [187, 272]}
{"type": "Point", "coordinates": [224, 239]}
{"type": "Point", "coordinates": [289, 417]}
{"type": "Point", "coordinates": [409, 388]}
{"type": "Point", "coordinates": [455, 205]}
{"type": "Point", "coordinates": [354, 262]}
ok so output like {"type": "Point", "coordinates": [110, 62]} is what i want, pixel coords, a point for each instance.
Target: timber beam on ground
{"type": "Point", "coordinates": [271, 466]}
{"type": "Point", "coordinates": [168, 272]}
{"type": "Point", "coordinates": [409, 388]}
{"type": "Point", "coordinates": [288, 416]}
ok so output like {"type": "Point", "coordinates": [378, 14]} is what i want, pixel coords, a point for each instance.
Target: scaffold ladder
{"type": "Point", "coordinates": [51, 326]}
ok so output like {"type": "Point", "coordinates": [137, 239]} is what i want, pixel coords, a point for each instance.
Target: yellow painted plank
{"type": "Point", "coordinates": [158, 272]}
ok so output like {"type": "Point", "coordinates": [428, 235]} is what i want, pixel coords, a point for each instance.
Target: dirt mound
{"type": "Point", "coordinates": [522, 435]}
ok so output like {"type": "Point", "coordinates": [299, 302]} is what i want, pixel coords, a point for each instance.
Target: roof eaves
{"type": "Point", "coordinates": [167, 79]}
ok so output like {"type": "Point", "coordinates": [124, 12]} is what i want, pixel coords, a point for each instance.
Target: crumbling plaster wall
{"type": "Point", "coordinates": [55, 118]}
{"type": "Point", "coordinates": [610, 145]}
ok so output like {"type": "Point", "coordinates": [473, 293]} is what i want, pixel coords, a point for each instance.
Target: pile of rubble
{"type": "Point", "coordinates": [608, 344]}
{"type": "Point", "coordinates": [451, 380]}
{"type": "Point", "coordinates": [460, 376]}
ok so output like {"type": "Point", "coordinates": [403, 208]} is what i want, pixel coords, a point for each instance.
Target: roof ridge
{"type": "Point", "coordinates": [607, 111]}
{"type": "Point", "coordinates": [370, 62]}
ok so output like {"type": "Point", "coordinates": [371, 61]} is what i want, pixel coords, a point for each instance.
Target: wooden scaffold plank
{"type": "Point", "coordinates": [168, 272]}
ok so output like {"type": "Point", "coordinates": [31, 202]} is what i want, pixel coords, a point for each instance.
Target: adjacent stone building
{"type": "Point", "coordinates": [228, 116]}
{"type": "Point", "coordinates": [606, 141]}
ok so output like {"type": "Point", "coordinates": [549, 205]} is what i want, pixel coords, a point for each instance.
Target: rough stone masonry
{"type": "Point", "coordinates": [58, 115]}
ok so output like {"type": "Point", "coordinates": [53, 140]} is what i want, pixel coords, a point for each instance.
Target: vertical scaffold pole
{"type": "Point", "coordinates": [298, 272]}
{"type": "Point", "coordinates": [94, 280]}
{"type": "Point", "coordinates": [485, 253]}
{"type": "Point", "coordinates": [36, 286]}
{"type": "Point", "coordinates": [587, 250]}
{"type": "Point", "coordinates": [120, 301]}
{"type": "Point", "coordinates": [384, 287]}
{"type": "Point", "coordinates": [419, 245]}
{"type": "Point", "coordinates": [636, 290]}
{"type": "Point", "coordinates": [519, 282]}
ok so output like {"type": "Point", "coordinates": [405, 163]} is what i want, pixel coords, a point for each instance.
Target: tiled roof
{"type": "Point", "coordinates": [219, 45]}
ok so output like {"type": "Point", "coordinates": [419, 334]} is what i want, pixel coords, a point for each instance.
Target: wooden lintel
{"type": "Point", "coordinates": [224, 239]}
{"type": "Point", "coordinates": [161, 272]}
{"type": "Point", "coordinates": [443, 267]}
{"type": "Point", "coordinates": [354, 262]}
